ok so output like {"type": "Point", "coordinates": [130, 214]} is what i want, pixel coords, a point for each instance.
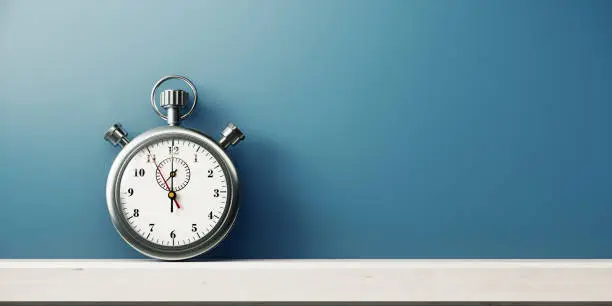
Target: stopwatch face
{"type": "Point", "coordinates": [174, 194]}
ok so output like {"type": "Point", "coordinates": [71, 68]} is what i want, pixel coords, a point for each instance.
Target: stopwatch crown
{"type": "Point", "coordinates": [173, 98]}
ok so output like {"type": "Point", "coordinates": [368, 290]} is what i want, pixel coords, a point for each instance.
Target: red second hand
{"type": "Point", "coordinates": [164, 179]}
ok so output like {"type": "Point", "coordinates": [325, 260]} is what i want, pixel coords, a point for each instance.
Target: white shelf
{"type": "Point", "coordinates": [306, 281]}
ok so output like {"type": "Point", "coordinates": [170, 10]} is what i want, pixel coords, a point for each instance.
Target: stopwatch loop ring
{"type": "Point", "coordinates": [186, 80]}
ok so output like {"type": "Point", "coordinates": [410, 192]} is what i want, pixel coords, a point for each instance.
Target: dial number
{"type": "Point", "coordinates": [150, 157]}
{"type": "Point", "coordinates": [139, 172]}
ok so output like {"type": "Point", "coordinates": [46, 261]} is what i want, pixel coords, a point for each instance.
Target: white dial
{"type": "Point", "coordinates": [173, 192]}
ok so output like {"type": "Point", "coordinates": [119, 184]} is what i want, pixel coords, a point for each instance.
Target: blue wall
{"type": "Point", "coordinates": [375, 129]}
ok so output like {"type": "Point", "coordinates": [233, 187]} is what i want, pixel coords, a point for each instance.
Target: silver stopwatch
{"type": "Point", "coordinates": [172, 192]}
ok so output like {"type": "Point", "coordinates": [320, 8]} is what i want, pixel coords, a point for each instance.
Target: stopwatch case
{"type": "Point", "coordinates": [148, 248]}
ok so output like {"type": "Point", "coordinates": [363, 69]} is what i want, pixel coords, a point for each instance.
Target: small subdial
{"type": "Point", "coordinates": [176, 174]}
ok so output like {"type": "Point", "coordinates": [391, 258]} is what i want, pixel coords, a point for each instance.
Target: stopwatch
{"type": "Point", "coordinates": [172, 191]}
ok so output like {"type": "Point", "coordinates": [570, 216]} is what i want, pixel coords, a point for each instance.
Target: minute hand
{"type": "Point", "coordinates": [172, 171]}
{"type": "Point", "coordinates": [172, 181]}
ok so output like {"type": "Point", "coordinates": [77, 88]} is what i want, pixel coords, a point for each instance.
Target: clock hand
{"type": "Point", "coordinates": [172, 171]}
{"type": "Point", "coordinates": [171, 205]}
{"type": "Point", "coordinates": [166, 183]}
{"type": "Point", "coordinates": [171, 180]}
{"type": "Point", "coordinates": [172, 174]}
{"type": "Point", "coordinates": [172, 196]}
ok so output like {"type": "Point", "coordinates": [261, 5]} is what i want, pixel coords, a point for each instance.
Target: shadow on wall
{"type": "Point", "coordinates": [269, 222]}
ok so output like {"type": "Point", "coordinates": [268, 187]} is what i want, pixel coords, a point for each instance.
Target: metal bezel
{"type": "Point", "coordinates": [145, 247]}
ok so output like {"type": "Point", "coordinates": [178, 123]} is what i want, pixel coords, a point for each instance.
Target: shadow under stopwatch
{"type": "Point", "coordinates": [268, 223]}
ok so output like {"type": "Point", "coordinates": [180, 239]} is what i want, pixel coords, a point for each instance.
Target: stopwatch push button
{"type": "Point", "coordinates": [231, 135]}
{"type": "Point", "coordinates": [116, 135]}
